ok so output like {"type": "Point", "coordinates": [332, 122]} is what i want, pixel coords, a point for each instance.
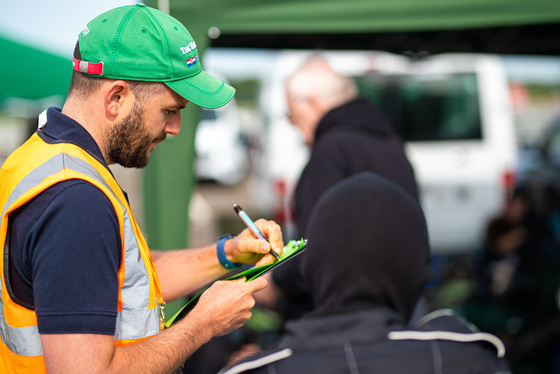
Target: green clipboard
{"type": "Point", "coordinates": [291, 249]}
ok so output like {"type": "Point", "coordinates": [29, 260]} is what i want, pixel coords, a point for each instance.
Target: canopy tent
{"type": "Point", "coordinates": [541, 39]}
{"type": "Point", "coordinates": [32, 74]}
{"type": "Point", "coordinates": [495, 26]}
{"type": "Point", "coordinates": [403, 26]}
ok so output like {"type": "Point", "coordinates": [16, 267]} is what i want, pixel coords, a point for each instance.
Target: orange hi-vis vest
{"type": "Point", "coordinates": [30, 170]}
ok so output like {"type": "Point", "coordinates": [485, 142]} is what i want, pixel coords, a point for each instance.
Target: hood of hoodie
{"type": "Point", "coordinates": [368, 246]}
{"type": "Point", "coordinates": [358, 113]}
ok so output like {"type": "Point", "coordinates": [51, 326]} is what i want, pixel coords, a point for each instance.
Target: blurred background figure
{"type": "Point", "coordinates": [366, 265]}
{"type": "Point", "coordinates": [347, 135]}
{"type": "Point", "coordinates": [516, 278]}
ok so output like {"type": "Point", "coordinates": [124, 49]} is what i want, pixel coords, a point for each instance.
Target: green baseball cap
{"type": "Point", "coordinates": [136, 42]}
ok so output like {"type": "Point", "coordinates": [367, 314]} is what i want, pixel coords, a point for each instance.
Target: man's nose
{"type": "Point", "coordinates": [173, 127]}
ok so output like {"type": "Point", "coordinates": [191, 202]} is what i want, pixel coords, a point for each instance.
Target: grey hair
{"type": "Point", "coordinates": [316, 78]}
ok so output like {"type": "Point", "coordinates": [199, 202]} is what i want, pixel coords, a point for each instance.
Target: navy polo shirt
{"type": "Point", "coordinates": [65, 248]}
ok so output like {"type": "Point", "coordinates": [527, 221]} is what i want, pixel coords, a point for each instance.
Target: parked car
{"type": "Point", "coordinates": [222, 155]}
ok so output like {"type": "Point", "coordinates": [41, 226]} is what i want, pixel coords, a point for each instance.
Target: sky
{"type": "Point", "coordinates": [544, 70]}
{"type": "Point", "coordinates": [51, 25]}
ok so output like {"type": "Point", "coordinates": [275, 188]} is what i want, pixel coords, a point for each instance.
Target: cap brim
{"type": "Point", "coordinates": [203, 90]}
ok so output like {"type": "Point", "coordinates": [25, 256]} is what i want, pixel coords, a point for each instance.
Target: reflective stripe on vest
{"type": "Point", "coordinates": [21, 340]}
{"type": "Point", "coordinates": [136, 320]}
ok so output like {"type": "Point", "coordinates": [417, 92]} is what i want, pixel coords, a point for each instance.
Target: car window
{"type": "Point", "coordinates": [428, 107]}
{"type": "Point", "coordinates": [208, 114]}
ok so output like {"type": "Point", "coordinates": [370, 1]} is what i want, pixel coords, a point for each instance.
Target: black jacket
{"type": "Point", "coordinates": [375, 341]}
{"type": "Point", "coordinates": [365, 266]}
{"type": "Point", "coordinates": [350, 139]}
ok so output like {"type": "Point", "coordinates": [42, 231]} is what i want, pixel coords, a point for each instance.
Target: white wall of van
{"type": "Point", "coordinates": [461, 177]}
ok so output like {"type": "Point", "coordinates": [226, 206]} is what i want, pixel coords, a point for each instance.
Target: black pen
{"type": "Point", "coordinates": [251, 225]}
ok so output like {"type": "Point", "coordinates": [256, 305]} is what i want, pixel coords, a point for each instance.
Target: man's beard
{"type": "Point", "coordinates": [128, 142]}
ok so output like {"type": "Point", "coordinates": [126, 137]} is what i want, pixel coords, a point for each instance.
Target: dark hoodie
{"type": "Point", "coordinates": [350, 139]}
{"type": "Point", "coordinates": [366, 263]}
{"type": "Point", "coordinates": [368, 246]}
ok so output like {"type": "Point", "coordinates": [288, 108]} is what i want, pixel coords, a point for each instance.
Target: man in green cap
{"type": "Point", "coordinates": [80, 290]}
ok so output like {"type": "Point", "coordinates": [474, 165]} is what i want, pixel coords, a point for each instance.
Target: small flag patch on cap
{"type": "Point", "coordinates": [193, 60]}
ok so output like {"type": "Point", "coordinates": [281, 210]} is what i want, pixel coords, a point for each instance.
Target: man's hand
{"type": "Point", "coordinates": [226, 305]}
{"type": "Point", "coordinates": [223, 308]}
{"type": "Point", "coordinates": [246, 248]}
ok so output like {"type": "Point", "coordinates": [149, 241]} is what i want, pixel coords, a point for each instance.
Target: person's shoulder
{"type": "Point", "coordinates": [77, 191]}
{"type": "Point", "coordinates": [350, 137]}
{"type": "Point", "coordinates": [71, 201]}
{"type": "Point", "coordinates": [446, 325]}
{"type": "Point", "coordinates": [336, 143]}
{"type": "Point", "coordinates": [67, 194]}
{"type": "Point", "coordinates": [256, 362]}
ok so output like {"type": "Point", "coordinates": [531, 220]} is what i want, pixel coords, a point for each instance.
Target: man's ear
{"type": "Point", "coordinates": [315, 102]}
{"type": "Point", "coordinates": [116, 94]}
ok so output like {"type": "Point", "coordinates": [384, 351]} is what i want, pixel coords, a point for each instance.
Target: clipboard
{"type": "Point", "coordinates": [291, 249]}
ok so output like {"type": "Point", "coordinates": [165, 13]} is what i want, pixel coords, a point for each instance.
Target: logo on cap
{"type": "Point", "coordinates": [193, 60]}
{"type": "Point", "coordinates": [188, 48]}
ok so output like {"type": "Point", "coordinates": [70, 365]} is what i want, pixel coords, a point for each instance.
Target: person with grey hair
{"type": "Point", "coordinates": [347, 135]}
{"type": "Point", "coordinates": [319, 88]}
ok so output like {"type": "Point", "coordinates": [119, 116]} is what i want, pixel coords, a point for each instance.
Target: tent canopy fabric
{"type": "Point", "coordinates": [332, 16]}
{"type": "Point", "coordinates": [497, 26]}
{"type": "Point", "coordinates": [513, 40]}
{"type": "Point", "coordinates": [30, 73]}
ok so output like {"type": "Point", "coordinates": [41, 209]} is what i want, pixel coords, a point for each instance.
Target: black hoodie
{"type": "Point", "coordinates": [350, 139]}
{"type": "Point", "coordinates": [366, 263]}
{"type": "Point", "coordinates": [368, 246]}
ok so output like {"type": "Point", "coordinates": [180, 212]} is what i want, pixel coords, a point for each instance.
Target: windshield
{"type": "Point", "coordinates": [427, 107]}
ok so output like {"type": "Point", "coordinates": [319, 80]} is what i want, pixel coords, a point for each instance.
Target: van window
{"type": "Point", "coordinates": [208, 114]}
{"type": "Point", "coordinates": [427, 107]}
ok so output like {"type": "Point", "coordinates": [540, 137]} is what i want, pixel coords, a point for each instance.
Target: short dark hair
{"type": "Point", "coordinates": [500, 226]}
{"type": "Point", "coordinates": [83, 85]}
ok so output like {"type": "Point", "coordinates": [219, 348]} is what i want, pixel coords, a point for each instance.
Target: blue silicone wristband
{"type": "Point", "coordinates": [222, 254]}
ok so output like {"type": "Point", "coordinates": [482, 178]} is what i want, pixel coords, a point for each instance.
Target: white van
{"type": "Point", "coordinates": [452, 110]}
